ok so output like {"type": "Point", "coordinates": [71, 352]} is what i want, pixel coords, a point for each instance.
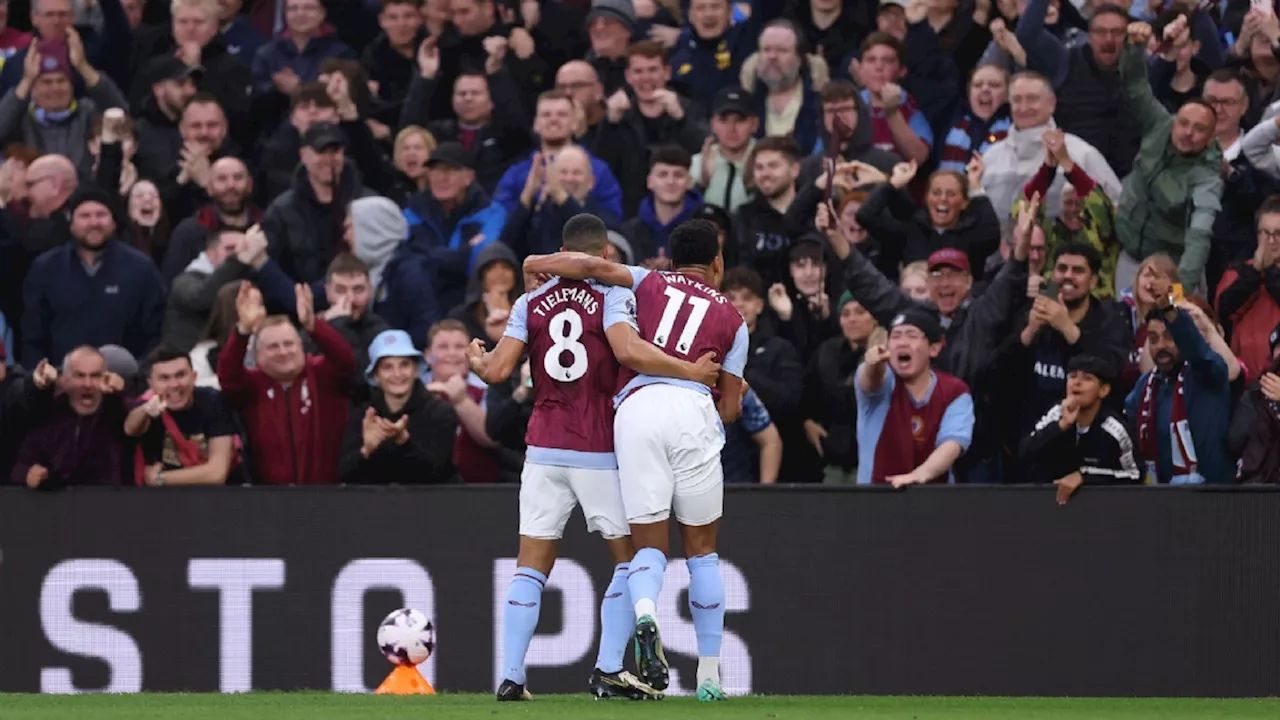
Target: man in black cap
{"type": "Point", "coordinates": [1082, 439]}
{"type": "Point", "coordinates": [95, 291]}
{"type": "Point", "coordinates": [170, 86]}
{"type": "Point", "coordinates": [913, 422]}
{"type": "Point", "coordinates": [610, 25]}
{"type": "Point", "coordinates": [304, 224]}
{"type": "Point", "coordinates": [719, 168]}
{"type": "Point", "coordinates": [453, 221]}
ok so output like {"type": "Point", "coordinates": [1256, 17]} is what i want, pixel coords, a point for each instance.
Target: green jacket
{"type": "Point", "coordinates": [1170, 200]}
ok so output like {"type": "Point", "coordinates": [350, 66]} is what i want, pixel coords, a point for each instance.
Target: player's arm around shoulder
{"type": "Point", "coordinates": [581, 266]}
{"type": "Point", "coordinates": [497, 365]}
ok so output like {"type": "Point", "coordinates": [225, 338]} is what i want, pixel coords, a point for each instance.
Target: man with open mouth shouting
{"type": "Point", "coordinates": [913, 422]}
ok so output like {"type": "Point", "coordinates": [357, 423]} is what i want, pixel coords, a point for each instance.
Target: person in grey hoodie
{"type": "Point", "coordinates": [195, 290]}
{"type": "Point", "coordinates": [400, 276]}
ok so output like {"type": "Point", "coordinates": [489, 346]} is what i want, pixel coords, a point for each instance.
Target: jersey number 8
{"type": "Point", "coordinates": [566, 331]}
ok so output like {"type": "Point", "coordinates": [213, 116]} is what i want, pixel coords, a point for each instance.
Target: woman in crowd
{"type": "Point", "coordinates": [222, 321]}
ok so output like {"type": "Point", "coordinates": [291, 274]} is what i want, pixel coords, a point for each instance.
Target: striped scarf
{"type": "Point", "coordinates": [969, 135]}
{"type": "Point", "coordinates": [1183, 449]}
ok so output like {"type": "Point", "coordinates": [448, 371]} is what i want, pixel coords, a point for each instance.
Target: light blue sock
{"type": "Point", "coordinates": [520, 619]}
{"type": "Point", "coordinates": [617, 622]}
{"type": "Point", "coordinates": [706, 603]}
{"type": "Point", "coordinates": [645, 580]}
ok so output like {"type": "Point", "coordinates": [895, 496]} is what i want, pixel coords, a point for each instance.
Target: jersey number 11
{"type": "Point", "coordinates": [676, 300]}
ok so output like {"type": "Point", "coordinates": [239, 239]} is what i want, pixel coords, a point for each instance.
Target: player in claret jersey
{"type": "Point", "coordinates": [669, 434]}
{"type": "Point", "coordinates": [576, 332]}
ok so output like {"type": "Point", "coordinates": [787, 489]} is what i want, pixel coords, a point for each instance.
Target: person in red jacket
{"type": "Point", "coordinates": [294, 406]}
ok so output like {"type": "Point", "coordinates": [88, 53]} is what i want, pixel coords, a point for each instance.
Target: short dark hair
{"type": "Point", "coordinates": [694, 242]}
{"type": "Point", "coordinates": [742, 278]}
{"type": "Point", "coordinates": [214, 238]}
{"type": "Point", "coordinates": [584, 233]}
{"type": "Point", "coordinates": [805, 250]}
{"type": "Point", "coordinates": [670, 155]}
{"type": "Point", "coordinates": [312, 93]}
{"type": "Point", "coordinates": [164, 354]}
{"type": "Point", "coordinates": [838, 91]}
{"type": "Point", "coordinates": [1110, 9]}
{"type": "Point", "coordinates": [784, 144]}
{"type": "Point", "coordinates": [417, 4]}
{"type": "Point", "coordinates": [1227, 75]}
{"type": "Point", "coordinates": [346, 264]}
{"type": "Point", "coordinates": [878, 38]}
{"type": "Point", "coordinates": [1084, 250]}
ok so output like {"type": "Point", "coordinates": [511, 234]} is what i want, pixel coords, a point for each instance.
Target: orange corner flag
{"type": "Point", "coordinates": [405, 680]}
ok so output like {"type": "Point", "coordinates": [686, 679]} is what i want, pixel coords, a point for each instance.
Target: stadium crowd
{"type": "Point", "coordinates": [249, 241]}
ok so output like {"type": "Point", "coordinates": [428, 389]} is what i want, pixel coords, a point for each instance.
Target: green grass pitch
{"type": "Point", "coordinates": [326, 706]}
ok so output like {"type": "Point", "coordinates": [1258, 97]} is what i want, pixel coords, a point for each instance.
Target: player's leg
{"type": "Point", "coordinates": [545, 504]}
{"type": "Point", "coordinates": [706, 604]}
{"type": "Point", "coordinates": [600, 496]}
{"type": "Point", "coordinates": [641, 429]}
{"type": "Point", "coordinates": [698, 504]}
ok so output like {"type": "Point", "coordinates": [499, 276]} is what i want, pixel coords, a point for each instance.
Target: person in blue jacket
{"type": "Point", "coordinates": [554, 123]}
{"type": "Point", "coordinates": [452, 221]}
{"type": "Point", "coordinates": [1182, 408]}
{"type": "Point", "coordinates": [96, 290]}
{"type": "Point", "coordinates": [710, 51]}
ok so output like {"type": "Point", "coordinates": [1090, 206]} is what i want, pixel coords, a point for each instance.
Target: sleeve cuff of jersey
{"type": "Point", "coordinates": [524, 338]}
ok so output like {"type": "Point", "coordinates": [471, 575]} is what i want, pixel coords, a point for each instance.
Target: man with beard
{"type": "Point", "coordinates": [784, 89]}
{"type": "Point", "coordinates": [1081, 440]}
{"type": "Point", "coordinates": [645, 114]}
{"type": "Point", "coordinates": [763, 228]}
{"type": "Point", "coordinates": [1182, 408]}
{"type": "Point", "coordinates": [231, 190]}
{"type": "Point", "coordinates": [96, 291]}
{"type": "Point", "coordinates": [82, 441]}
{"type": "Point", "coordinates": [914, 423]}
{"type": "Point", "coordinates": [1056, 329]}
{"type": "Point", "coordinates": [186, 434]}
{"type": "Point", "coordinates": [554, 122]}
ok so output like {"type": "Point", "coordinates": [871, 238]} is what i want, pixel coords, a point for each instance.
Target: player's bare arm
{"type": "Point", "coordinates": [579, 266]}
{"type": "Point", "coordinates": [731, 388]}
{"type": "Point", "coordinates": [495, 366]}
{"type": "Point", "coordinates": [633, 351]}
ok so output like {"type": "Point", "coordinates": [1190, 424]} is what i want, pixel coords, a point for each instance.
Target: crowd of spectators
{"type": "Point", "coordinates": [1020, 241]}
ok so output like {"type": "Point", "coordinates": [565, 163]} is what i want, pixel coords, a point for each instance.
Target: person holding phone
{"type": "Point", "coordinates": [1063, 321]}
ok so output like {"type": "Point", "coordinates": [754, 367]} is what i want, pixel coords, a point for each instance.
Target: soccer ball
{"type": "Point", "coordinates": [406, 637]}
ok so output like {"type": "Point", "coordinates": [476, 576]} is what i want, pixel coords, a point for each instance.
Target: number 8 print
{"type": "Point", "coordinates": [566, 330]}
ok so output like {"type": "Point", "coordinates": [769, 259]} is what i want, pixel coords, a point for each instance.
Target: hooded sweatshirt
{"type": "Point", "coordinates": [472, 311]}
{"type": "Point", "coordinates": [379, 226]}
{"type": "Point", "coordinates": [861, 147]}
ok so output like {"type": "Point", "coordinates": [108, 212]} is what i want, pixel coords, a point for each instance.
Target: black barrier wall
{"type": "Point", "coordinates": [1128, 591]}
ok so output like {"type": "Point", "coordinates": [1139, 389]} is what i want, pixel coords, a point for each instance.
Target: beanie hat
{"type": "Point", "coordinates": [90, 192]}
{"type": "Point", "coordinates": [621, 10]}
